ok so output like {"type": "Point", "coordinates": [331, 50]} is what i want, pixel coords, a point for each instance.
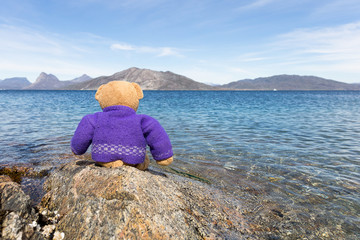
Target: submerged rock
{"type": "Point", "coordinates": [17, 173]}
{"type": "Point", "coordinates": [30, 179]}
{"type": "Point", "coordinates": [91, 202]}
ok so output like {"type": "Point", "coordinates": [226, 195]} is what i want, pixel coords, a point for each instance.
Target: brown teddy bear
{"type": "Point", "coordinates": [118, 135]}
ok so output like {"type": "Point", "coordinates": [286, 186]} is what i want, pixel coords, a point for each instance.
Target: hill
{"type": "Point", "coordinates": [158, 80]}
{"type": "Point", "coordinates": [15, 83]}
{"type": "Point", "coordinates": [51, 82]}
{"type": "Point", "coordinates": [45, 82]}
{"type": "Point", "coordinates": [290, 82]}
{"type": "Point", "coordinates": [147, 79]}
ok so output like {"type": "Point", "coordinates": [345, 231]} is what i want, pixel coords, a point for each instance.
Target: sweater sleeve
{"type": "Point", "coordinates": [156, 138]}
{"type": "Point", "coordinates": [83, 135]}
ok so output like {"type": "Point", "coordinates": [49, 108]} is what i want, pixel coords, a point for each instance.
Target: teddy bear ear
{"type": "Point", "coordinates": [139, 91]}
{"type": "Point", "coordinates": [97, 94]}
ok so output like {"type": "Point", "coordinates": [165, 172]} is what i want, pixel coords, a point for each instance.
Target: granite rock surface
{"type": "Point", "coordinates": [91, 202]}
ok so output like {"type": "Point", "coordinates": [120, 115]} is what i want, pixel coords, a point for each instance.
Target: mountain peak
{"type": "Point", "coordinates": [147, 79]}
{"type": "Point", "coordinates": [133, 69]}
{"type": "Point", "coordinates": [47, 77]}
{"type": "Point", "coordinates": [45, 81]}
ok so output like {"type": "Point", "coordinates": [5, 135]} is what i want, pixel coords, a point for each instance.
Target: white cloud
{"type": "Point", "coordinates": [122, 46]}
{"type": "Point", "coordinates": [116, 4]}
{"type": "Point", "coordinates": [338, 8]}
{"type": "Point", "coordinates": [25, 40]}
{"type": "Point", "coordinates": [16, 40]}
{"type": "Point", "coordinates": [158, 51]}
{"type": "Point", "coordinates": [28, 50]}
{"type": "Point", "coordinates": [252, 57]}
{"type": "Point", "coordinates": [255, 4]}
{"type": "Point", "coordinates": [167, 51]}
{"type": "Point", "coordinates": [341, 43]}
{"type": "Point", "coordinates": [331, 52]}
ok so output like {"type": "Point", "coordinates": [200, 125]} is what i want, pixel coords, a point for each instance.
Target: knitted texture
{"type": "Point", "coordinates": [118, 133]}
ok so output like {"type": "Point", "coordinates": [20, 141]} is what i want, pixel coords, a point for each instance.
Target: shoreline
{"type": "Point", "coordinates": [263, 218]}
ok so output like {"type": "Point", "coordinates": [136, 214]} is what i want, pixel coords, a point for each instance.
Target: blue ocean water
{"type": "Point", "coordinates": [294, 154]}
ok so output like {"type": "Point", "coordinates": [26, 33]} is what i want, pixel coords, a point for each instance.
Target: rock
{"type": "Point", "coordinates": [5, 178]}
{"type": "Point", "coordinates": [17, 173]}
{"type": "Point", "coordinates": [31, 180]}
{"type": "Point", "coordinates": [124, 203]}
{"type": "Point", "coordinates": [18, 219]}
{"type": "Point", "coordinates": [16, 213]}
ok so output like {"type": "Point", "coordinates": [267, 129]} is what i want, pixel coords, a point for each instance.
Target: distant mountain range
{"type": "Point", "coordinates": [147, 79]}
{"type": "Point", "coordinates": [290, 82]}
{"type": "Point", "coordinates": [50, 82]}
{"type": "Point", "coordinates": [158, 80]}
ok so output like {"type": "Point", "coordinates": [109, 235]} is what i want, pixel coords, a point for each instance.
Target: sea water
{"type": "Point", "coordinates": [292, 157]}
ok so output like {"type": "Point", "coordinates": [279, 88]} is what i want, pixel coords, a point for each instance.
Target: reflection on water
{"type": "Point", "coordinates": [292, 157]}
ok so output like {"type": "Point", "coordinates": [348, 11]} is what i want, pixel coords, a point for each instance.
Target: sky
{"type": "Point", "coordinates": [209, 41]}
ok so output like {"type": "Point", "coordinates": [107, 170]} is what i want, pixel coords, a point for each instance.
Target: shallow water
{"type": "Point", "coordinates": [293, 157]}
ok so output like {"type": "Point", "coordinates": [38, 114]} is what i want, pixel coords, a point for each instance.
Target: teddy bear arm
{"type": "Point", "coordinates": [83, 135]}
{"type": "Point", "coordinates": [158, 140]}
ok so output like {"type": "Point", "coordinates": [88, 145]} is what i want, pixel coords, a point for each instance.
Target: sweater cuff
{"type": "Point", "coordinates": [162, 156]}
{"type": "Point", "coordinates": [74, 151]}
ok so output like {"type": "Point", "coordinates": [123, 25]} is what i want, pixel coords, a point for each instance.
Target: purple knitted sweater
{"type": "Point", "coordinates": [118, 133]}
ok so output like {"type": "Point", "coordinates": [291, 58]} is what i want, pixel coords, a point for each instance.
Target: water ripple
{"type": "Point", "coordinates": [299, 151]}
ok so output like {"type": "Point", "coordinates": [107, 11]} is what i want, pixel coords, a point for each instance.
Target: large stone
{"type": "Point", "coordinates": [16, 213]}
{"type": "Point", "coordinates": [124, 203]}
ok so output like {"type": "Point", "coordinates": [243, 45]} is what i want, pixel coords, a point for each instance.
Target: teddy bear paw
{"type": "Point", "coordinates": [165, 162]}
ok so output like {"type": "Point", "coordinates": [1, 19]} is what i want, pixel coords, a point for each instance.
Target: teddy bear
{"type": "Point", "coordinates": [118, 135]}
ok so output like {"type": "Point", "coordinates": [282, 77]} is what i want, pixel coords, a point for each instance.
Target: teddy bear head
{"type": "Point", "coordinates": [119, 93]}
